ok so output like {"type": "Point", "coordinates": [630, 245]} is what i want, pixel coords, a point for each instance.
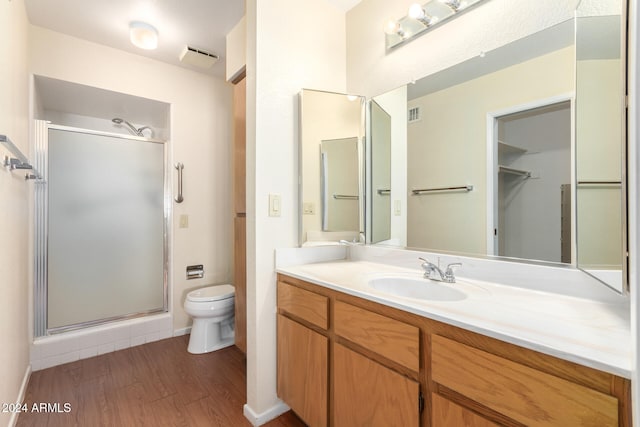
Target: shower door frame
{"type": "Point", "coordinates": [40, 252]}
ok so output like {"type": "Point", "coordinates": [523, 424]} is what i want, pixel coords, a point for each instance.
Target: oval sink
{"type": "Point", "coordinates": [417, 288]}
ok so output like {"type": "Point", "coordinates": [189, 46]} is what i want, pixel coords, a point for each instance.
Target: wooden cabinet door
{"type": "Point", "coordinates": [240, 274]}
{"type": "Point", "coordinates": [366, 393]}
{"type": "Point", "coordinates": [445, 413]}
{"type": "Point", "coordinates": [239, 146]}
{"type": "Point", "coordinates": [302, 371]}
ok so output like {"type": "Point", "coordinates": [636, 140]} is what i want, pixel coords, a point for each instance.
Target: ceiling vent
{"type": "Point", "coordinates": [198, 58]}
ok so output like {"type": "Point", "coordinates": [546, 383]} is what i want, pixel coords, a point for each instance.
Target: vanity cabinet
{"type": "Point", "coordinates": [383, 366]}
{"type": "Point", "coordinates": [366, 388]}
{"type": "Point", "coordinates": [524, 394]}
{"type": "Point", "coordinates": [303, 353]}
{"type": "Point", "coordinates": [302, 370]}
{"type": "Point", "coordinates": [367, 393]}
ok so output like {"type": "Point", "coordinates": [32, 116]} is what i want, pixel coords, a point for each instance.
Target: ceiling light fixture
{"type": "Point", "coordinates": [423, 17]}
{"type": "Point", "coordinates": [143, 35]}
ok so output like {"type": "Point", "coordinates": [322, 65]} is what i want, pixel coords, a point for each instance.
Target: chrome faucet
{"type": "Point", "coordinates": [433, 272]}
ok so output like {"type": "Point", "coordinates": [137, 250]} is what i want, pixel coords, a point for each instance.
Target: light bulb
{"type": "Point", "coordinates": [392, 27]}
{"type": "Point", "coordinates": [417, 12]}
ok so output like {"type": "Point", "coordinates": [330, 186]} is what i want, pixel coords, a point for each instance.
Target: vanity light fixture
{"type": "Point", "coordinates": [143, 35]}
{"type": "Point", "coordinates": [422, 17]}
{"type": "Point", "coordinates": [456, 5]}
{"type": "Point", "coordinates": [417, 12]}
{"type": "Point", "coordinates": [394, 28]}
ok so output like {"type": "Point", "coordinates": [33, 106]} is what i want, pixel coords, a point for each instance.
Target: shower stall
{"type": "Point", "coordinates": [101, 227]}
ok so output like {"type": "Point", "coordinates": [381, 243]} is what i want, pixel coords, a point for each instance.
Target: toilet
{"type": "Point", "coordinates": [212, 310]}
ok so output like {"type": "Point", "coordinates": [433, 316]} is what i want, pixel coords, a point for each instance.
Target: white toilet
{"type": "Point", "coordinates": [212, 310]}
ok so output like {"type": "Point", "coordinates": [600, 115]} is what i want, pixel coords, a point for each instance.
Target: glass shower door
{"type": "Point", "coordinates": [106, 227]}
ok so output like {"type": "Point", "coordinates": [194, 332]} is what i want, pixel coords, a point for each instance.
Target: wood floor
{"type": "Point", "coordinates": [156, 384]}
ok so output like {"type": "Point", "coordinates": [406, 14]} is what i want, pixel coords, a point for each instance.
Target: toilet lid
{"type": "Point", "coordinates": [212, 293]}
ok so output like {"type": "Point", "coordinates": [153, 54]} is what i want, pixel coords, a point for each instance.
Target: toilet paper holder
{"type": "Point", "coordinates": [195, 271]}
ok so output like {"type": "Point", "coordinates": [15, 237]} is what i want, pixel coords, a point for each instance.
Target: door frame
{"type": "Point", "coordinates": [492, 164]}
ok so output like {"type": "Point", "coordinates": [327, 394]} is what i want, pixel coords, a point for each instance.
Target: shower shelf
{"type": "Point", "coordinates": [19, 161]}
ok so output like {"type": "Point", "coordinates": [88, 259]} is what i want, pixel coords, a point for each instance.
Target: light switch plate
{"type": "Point", "coordinates": [275, 205]}
{"type": "Point", "coordinates": [396, 207]}
{"type": "Point", "coordinates": [184, 221]}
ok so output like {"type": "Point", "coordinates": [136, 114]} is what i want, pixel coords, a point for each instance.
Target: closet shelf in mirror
{"type": "Point", "coordinates": [18, 161]}
{"type": "Point", "coordinates": [512, 171]}
{"type": "Point", "coordinates": [504, 148]}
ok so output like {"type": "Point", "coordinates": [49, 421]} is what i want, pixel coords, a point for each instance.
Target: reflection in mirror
{"type": "Point", "coordinates": [380, 158]}
{"type": "Point", "coordinates": [448, 146]}
{"type": "Point", "coordinates": [500, 124]}
{"type": "Point", "coordinates": [339, 184]}
{"type": "Point", "coordinates": [533, 167]}
{"type": "Point", "coordinates": [600, 123]}
{"type": "Point", "coordinates": [330, 152]}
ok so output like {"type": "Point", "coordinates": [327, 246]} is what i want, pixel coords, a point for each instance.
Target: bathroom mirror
{"type": "Point", "coordinates": [379, 149]}
{"type": "Point", "coordinates": [600, 142]}
{"type": "Point", "coordinates": [331, 157]}
{"type": "Point", "coordinates": [517, 153]}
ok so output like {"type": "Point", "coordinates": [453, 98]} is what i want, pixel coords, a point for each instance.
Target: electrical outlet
{"type": "Point", "coordinates": [396, 207]}
{"type": "Point", "coordinates": [308, 208]}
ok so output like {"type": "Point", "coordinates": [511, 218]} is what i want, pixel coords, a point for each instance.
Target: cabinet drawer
{"type": "Point", "coordinates": [445, 413]}
{"type": "Point", "coordinates": [522, 393]}
{"type": "Point", "coordinates": [395, 340]}
{"type": "Point", "coordinates": [304, 304]}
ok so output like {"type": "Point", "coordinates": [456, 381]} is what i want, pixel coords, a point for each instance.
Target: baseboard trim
{"type": "Point", "coordinates": [182, 331]}
{"type": "Point", "coordinates": [23, 391]}
{"type": "Point", "coordinates": [266, 416]}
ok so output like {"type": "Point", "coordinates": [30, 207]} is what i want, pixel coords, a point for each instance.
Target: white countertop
{"type": "Point", "coordinates": [584, 331]}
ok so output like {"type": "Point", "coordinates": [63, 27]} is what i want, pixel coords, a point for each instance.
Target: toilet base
{"type": "Point", "coordinates": [198, 349]}
{"type": "Point", "coordinates": [207, 335]}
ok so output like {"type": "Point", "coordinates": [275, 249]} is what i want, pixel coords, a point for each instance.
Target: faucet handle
{"type": "Point", "coordinates": [448, 274]}
{"type": "Point", "coordinates": [452, 265]}
{"type": "Point", "coordinates": [426, 263]}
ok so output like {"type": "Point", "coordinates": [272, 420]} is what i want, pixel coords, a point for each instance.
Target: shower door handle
{"type": "Point", "coordinates": [179, 166]}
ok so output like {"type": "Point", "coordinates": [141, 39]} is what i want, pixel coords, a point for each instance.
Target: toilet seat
{"type": "Point", "coordinates": [211, 293]}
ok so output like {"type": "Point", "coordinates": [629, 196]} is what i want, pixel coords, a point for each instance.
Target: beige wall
{"type": "Point", "coordinates": [14, 214]}
{"type": "Point", "coordinates": [457, 115]}
{"type": "Point", "coordinates": [599, 132]}
{"type": "Point", "coordinates": [291, 45]}
{"type": "Point", "coordinates": [200, 138]}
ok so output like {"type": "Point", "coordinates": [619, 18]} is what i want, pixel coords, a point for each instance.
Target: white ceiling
{"type": "Point", "coordinates": [202, 24]}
